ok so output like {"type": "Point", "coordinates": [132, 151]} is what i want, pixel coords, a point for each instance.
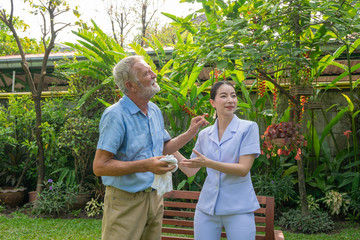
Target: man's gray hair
{"type": "Point", "coordinates": [123, 72]}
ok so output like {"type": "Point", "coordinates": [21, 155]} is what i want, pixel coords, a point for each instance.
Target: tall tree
{"type": "Point", "coordinates": [49, 10]}
{"type": "Point", "coordinates": [8, 44]}
{"type": "Point", "coordinates": [121, 16]}
{"type": "Point", "coordinates": [276, 41]}
{"type": "Point", "coordinates": [126, 20]}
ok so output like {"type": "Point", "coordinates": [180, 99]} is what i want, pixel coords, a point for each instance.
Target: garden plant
{"type": "Point", "coordinates": [275, 54]}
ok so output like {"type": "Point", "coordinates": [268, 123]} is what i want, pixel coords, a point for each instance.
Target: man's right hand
{"type": "Point", "coordinates": [159, 167]}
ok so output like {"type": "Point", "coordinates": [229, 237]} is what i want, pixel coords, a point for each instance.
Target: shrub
{"type": "Point", "coordinates": [313, 203]}
{"type": "Point", "coordinates": [315, 222]}
{"type": "Point", "coordinates": [336, 202]}
{"type": "Point", "coordinates": [55, 199]}
{"type": "Point", "coordinates": [282, 189]}
{"type": "Point", "coordinates": [354, 209]}
{"type": "Point", "coordinates": [94, 208]}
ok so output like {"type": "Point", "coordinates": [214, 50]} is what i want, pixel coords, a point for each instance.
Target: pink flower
{"type": "Point", "coordinates": [347, 133]}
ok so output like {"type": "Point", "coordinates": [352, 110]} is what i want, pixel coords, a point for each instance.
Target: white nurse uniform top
{"type": "Point", "coordinates": [225, 194]}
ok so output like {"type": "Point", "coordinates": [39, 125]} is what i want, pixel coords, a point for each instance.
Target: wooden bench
{"type": "Point", "coordinates": [179, 215]}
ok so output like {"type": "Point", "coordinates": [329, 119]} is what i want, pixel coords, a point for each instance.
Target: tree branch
{"type": "Point", "coordinates": [264, 75]}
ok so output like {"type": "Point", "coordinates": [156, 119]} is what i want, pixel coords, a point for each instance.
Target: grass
{"type": "Point", "coordinates": [22, 227]}
{"type": "Point", "coordinates": [349, 231]}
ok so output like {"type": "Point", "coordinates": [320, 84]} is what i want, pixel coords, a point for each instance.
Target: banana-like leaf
{"type": "Point", "coordinates": [166, 67]}
{"type": "Point", "coordinates": [193, 95]}
{"type": "Point", "coordinates": [141, 51]}
{"type": "Point", "coordinates": [290, 170]}
{"type": "Point", "coordinates": [204, 85]}
{"type": "Point", "coordinates": [106, 104]}
{"type": "Point", "coordinates": [350, 104]}
{"type": "Point", "coordinates": [172, 17]}
{"type": "Point", "coordinates": [333, 121]}
{"type": "Point", "coordinates": [91, 91]}
{"type": "Point", "coordinates": [356, 113]}
{"type": "Point", "coordinates": [158, 44]}
{"type": "Point", "coordinates": [194, 74]}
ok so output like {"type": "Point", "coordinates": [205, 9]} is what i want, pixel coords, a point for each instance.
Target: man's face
{"type": "Point", "coordinates": [147, 80]}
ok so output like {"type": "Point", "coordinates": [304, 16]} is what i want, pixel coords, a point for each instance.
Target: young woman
{"type": "Point", "coordinates": [227, 149]}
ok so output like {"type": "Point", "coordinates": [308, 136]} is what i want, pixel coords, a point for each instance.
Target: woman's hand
{"type": "Point", "coordinates": [197, 162]}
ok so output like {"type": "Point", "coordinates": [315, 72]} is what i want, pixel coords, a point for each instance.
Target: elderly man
{"type": "Point", "coordinates": [132, 141]}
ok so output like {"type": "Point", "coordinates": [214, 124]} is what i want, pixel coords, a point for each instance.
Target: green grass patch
{"type": "Point", "coordinates": [343, 231]}
{"type": "Point", "coordinates": [22, 227]}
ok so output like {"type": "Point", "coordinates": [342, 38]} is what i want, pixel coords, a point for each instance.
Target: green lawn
{"type": "Point", "coordinates": [345, 231]}
{"type": "Point", "coordinates": [22, 227]}
{"type": "Point", "coordinates": [25, 228]}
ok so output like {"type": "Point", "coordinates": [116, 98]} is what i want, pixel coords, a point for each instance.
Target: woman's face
{"type": "Point", "coordinates": [225, 101]}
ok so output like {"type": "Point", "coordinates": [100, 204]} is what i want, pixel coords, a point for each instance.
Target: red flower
{"type": "Point", "coordinates": [298, 153]}
{"type": "Point", "coordinates": [282, 139]}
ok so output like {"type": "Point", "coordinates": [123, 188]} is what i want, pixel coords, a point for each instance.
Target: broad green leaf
{"type": "Point", "coordinates": [356, 181]}
{"type": "Point", "coordinates": [339, 51]}
{"type": "Point", "coordinates": [286, 116]}
{"type": "Point", "coordinates": [333, 121]}
{"type": "Point", "coordinates": [172, 17]}
{"type": "Point", "coordinates": [203, 86]}
{"type": "Point", "coordinates": [194, 74]}
{"type": "Point", "coordinates": [106, 104]}
{"type": "Point", "coordinates": [356, 113]}
{"type": "Point", "coordinates": [193, 95]}
{"type": "Point", "coordinates": [290, 170]}
{"type": "Point", "coordinates": [91, 91]}
{"type": "Point", "coordinates": [350, 104]}
{"type": "Point", "coordinates": [354, 46]}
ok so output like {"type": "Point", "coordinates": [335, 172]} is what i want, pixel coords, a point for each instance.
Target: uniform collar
{"type": "Point", "coordinates": [228, 134]}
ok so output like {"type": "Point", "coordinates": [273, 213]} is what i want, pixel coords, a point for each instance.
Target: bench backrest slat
{"type": "Point", "coordinates": [179, 215]}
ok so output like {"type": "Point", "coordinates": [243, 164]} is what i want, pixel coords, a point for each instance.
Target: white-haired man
{"type": "Point", "coordinates": [131, 143]}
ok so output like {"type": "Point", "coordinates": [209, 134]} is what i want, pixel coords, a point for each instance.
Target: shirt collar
{"type": "Point", "coordinates": [133, 108]}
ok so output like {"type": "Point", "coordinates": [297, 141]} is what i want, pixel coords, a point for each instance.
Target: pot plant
{"type": "Point", "coordinates": [14, 160]}
{"type": "Point", "coordinates": [282, 139]}
{"type": "Point", "coordinates": [11, 194]}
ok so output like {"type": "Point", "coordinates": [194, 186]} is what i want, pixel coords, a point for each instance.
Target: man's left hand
{"type": "Point", "coordinates": [196, 123]}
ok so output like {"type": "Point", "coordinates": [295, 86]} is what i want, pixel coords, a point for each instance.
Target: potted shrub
{"type": "Point", "coordinates": [14, 161]}
{"type": "Point", "coordinates": [282, 139]}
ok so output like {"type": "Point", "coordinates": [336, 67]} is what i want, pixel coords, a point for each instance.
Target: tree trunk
{"type": "Point", "coordinates": [301, 176]}
{"type": "Point", "coordinates": [38, 133]}
{"type": "Point", "coordinates": [143, 21]}
{"type": "Point", "coordinates": [122, 29]}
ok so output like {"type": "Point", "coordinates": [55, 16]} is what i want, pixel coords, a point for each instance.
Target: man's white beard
{"type": "Point", "coordinates": [149, 92]}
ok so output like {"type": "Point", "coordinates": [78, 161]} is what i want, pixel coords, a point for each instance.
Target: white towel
{"type": "Point", "coordinates": [163, 183]}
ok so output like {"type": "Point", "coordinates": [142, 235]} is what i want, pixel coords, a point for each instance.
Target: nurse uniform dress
{"type": "Point", "coordinates": [227, 200]}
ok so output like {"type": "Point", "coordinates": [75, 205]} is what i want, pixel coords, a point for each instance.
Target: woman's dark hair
{"type": "Point", "coordinates": [216, 86]}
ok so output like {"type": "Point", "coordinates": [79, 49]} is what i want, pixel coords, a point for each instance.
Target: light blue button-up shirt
{"type": "Point", "coordinates": [225, 194]}
{"type": "Point", "coordinates": [130, 135]}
